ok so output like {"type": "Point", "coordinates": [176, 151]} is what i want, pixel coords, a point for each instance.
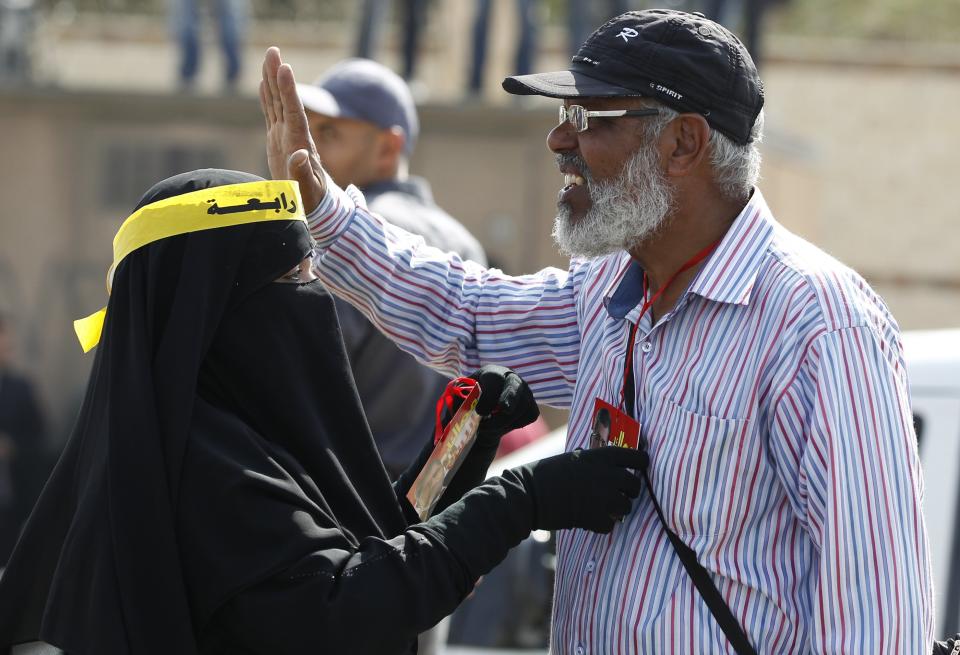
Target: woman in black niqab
{"type": "Point", "coordinates": [98, 569]}
{"type": "Point", "coordinates": [221, 491]}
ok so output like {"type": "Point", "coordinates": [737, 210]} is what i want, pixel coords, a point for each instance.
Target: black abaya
{"type": "Point", "coordinates": [221, 491]}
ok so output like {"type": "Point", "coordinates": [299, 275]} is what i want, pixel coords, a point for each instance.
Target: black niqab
{"type": "Point", "coordinates": [101, 566]}
{"type": "Point", "coordinates": [278, 363]}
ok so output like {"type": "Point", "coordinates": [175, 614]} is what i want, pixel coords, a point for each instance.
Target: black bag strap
{"type": "Point", "coordinates": [701, 579]}
{"type": "Point", "coordinates": [949, 647]}
{"type": "Point", "coordinates": [704, 584]}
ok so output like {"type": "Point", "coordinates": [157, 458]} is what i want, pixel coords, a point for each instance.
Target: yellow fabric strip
{"type": "Point", "coordinates": [88, 329]}
{"type": "Point", "coordinates": [222, 206]}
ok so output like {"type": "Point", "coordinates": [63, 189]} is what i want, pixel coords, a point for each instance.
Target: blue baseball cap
{"type": "Point", "coordinates": [367, 91]}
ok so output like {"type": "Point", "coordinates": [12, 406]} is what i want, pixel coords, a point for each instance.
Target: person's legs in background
{"type": "Point", "coordinates": [527, 42]}
{"type": "Point", "coordinates": [743, 17]}
{"type": "Point", "coordinates": [728, 13]}
{"type": "Point", "coordinates": [481, 24]}
{"type": "Point", "coordinates": [604, 11]}
{"type": "Point", "coordinates": [370, 28]}
{"type": "Point", "coordinates": [232, 17]}
{"type": "Point", "coordinates": [716, 10]}
{"type": "Point", "coordinates": [753, 29]}
{"type": "Point", "coordinates": [185, 24]}
{"type": "Point", "coordinates": [583, 16]}
{"type": "Point", "coordinates": [578, 22]}
{"type": "Point", "coordinates": [414, 18]}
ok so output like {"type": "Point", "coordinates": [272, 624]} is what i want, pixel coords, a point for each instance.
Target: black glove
{"type": "Point", "coordinates": [506, 403]}
{"type": "Point", "coordinates": [590, 489]}
{"type": "Point", "coordinates": [948, 647]}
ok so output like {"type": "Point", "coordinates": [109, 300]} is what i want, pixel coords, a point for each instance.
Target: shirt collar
{"type": "Point", "coordinates": [729, 274]}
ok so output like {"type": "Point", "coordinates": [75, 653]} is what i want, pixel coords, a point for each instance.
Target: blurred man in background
{"type": "Point", "coordinates": [365, 126]}
{"type": "Point", "coordinates": [364, 123]}
{"type": "Point", "coordinates": [21, 441]}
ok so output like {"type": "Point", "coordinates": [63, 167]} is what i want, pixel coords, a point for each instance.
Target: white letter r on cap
{"type": "Point", "coordinates": [628, 33]}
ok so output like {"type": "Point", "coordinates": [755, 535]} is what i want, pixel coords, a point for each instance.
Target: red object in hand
{"type": "Point", "coordinates": [456, 388]}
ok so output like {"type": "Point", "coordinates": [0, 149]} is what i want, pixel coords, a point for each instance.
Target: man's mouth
{"type": "Point", "coordinates": [575, 190]}
{"type": "Point", "coordinates": [571, 180]}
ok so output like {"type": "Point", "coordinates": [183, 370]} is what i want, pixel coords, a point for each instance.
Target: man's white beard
{"type": "Point", "coordinates": [624, 211]}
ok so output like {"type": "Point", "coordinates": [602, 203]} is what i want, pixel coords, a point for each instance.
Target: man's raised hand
{"type": "Point", "coordinates": [291, 153]}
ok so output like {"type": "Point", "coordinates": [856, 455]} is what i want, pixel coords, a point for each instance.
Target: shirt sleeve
{"type": "Point", "coordinates": [857, 488]}
{"type": "Point", "coordinates": [449, 313]}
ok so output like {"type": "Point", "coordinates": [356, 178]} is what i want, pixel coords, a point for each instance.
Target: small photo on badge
{"type": "Point", "coordinates": [611, 427]}
{"type": "Point", "coordinates": [600, 432]}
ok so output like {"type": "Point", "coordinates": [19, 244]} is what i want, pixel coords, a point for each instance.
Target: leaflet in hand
{"type": "Point", "coordinates": [452, 447]}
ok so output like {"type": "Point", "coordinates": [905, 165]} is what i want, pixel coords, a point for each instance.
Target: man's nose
{"type": "Point", "coordinates": [562, 138]}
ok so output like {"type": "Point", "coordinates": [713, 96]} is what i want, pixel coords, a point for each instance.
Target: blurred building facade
{"type": "Point", "coordinates": [858, 157]}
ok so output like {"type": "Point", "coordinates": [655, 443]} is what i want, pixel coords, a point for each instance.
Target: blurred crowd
{"type": "Point", "coordinates": [18, 19]}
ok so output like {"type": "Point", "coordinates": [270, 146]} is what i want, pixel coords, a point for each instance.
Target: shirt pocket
{"type": "Point", "coordinates": [699, 468]}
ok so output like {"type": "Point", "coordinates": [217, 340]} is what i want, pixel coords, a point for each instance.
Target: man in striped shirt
{"type": "Point", "coordinates": [767, 377]}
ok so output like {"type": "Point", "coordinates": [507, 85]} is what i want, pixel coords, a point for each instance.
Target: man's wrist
{"type": "Point", "coordinates": [330, 218]}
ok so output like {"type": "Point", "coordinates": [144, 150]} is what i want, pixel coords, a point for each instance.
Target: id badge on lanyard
{"type": "Point", "coordinates": [611, 427]}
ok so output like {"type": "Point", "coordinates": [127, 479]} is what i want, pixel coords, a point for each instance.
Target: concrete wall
{"type": "Point", "coordinates": [879, 145]}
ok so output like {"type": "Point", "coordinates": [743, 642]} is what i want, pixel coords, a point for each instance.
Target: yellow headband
{"type": "Point", "coordinates": [222, 206]}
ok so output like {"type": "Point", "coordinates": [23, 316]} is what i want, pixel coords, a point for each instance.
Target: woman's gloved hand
{"type": "Point", "coordinates": [506, 403]}
{"type": "Point", "coordinates": [589, 489]}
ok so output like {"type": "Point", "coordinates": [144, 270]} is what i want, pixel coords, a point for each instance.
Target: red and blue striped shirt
{"type": "Point", "coordinates": [774, 402]}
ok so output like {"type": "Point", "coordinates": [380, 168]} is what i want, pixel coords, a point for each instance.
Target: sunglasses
{"type": "Point", "coordinates": [580, 117]}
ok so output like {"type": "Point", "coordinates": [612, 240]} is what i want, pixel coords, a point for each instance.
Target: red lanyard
{"type": "Point", "coordinates": [647, 304]}
{"type": "Point", "coordinates": [456, 388]}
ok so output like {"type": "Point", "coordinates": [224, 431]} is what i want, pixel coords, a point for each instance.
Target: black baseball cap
{"type": "Point", "coordinates": [685, 60]}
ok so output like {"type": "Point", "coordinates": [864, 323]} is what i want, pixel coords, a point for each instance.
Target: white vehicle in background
{"type": "Point", "coordinates": [933, 367]}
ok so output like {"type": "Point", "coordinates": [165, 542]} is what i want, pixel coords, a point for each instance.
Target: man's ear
{"type": "Point", "coordinates": [392, 142]}
{"type": "Point", "coordinates": [685, 144]}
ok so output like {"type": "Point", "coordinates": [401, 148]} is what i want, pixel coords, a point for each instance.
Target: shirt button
{"type": "Point", "coordinates": [590, 566]}
{"type": "Point", "coordinates": [646, 346]}
{"type": "Point", "coordinates": [581, 650]}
